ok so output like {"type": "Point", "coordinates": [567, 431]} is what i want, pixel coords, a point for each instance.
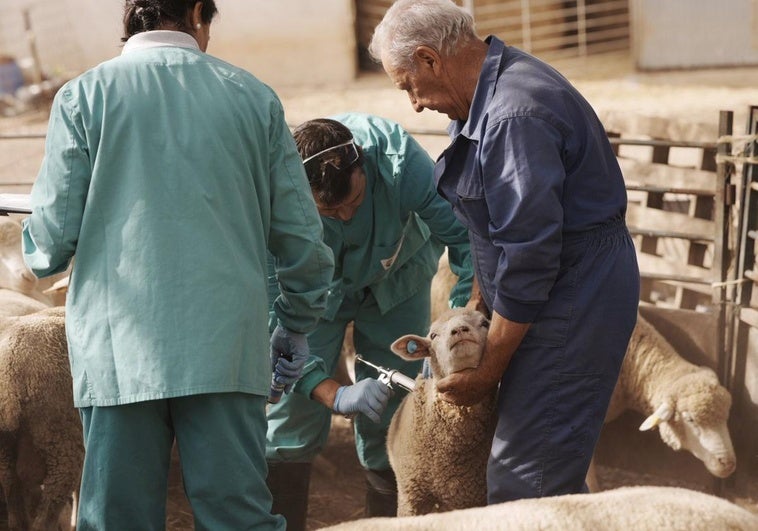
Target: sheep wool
{"type": "Point", "coordinates": [41, 452]}
{"type": "Point", "coordinates": [684, 401]}
{"type": "Point", "coordinates": [638, 508]}
{"type": "Point", "coordinates": [438, 450]}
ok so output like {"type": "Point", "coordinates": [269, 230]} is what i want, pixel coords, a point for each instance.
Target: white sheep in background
{"type": "Point", "coordinates": [14, 275]}
{"type": "Point", "coordinates": [624, 509]}
{"type": "Point", "coordinates": [683, 400]}
{"type": "Point", "coordinates": [41, 448]}
{"type": "Point", "coordinates": [438, 450]}
{"type": "Point", "coordinates": [14, 303]}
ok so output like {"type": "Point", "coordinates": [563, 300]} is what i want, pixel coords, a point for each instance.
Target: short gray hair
{"type": "Point", "coordinates": [408, 24]}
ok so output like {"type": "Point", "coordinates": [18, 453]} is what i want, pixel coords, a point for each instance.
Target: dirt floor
{"type": "Point", "coordinates": [684, 104]}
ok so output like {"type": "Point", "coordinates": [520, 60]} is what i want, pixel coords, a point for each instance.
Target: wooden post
{"type": "Point", "coordinates": [721, 262]}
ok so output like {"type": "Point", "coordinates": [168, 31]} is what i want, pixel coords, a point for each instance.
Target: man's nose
{"type": "Point", "coordinates": [415, 104]}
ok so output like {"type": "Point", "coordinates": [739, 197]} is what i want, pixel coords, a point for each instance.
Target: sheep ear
{"type": "Point", "coordinates": [60, 285]}
{"type": "Point", "coordinates": [662, 414]}
{"type": "Point", "coordinates": [411, 347]}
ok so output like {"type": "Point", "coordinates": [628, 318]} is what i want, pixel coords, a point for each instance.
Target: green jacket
{"type": "Point", "coordinates": [167, 175]}
{"type": "Point", "coordinates": [398, 232]}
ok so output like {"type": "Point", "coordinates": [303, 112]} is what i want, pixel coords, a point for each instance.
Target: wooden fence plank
{"type": "Point", "coordinates": [655, 220]}
{"type": "Point", "coordinates": [659, 267]}
{"type": "Point", "coordinates": [673, 179]}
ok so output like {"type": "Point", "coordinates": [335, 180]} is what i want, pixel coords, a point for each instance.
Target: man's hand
{"type": "Point", "coordinates": [368, 396]}
{"type": "Point", "coordinates": [466, 387]}
{"type": "Point", "coordinates": [289, 352]}
{"type": "Point", "coordinates": [470, 386]}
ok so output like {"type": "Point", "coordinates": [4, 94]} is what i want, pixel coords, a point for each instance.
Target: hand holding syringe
{"type": "Point", "coordinates": [390, 377]}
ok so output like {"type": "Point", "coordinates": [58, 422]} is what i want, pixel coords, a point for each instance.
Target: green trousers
{"type": "Point", "coordinates": [221, 441]}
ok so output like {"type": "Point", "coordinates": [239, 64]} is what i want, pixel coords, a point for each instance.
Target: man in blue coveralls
{"type": "Point", "coordinates": [532, 175]}
{"type": "Point", "coordinates": [387, 226]}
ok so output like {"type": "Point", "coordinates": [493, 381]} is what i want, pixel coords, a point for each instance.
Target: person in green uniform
{"type": "Point", "coordinates": [168, 175]}
{"type": "Point", "coordinates": [374, 188]}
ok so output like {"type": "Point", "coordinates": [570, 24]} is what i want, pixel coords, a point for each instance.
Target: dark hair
{"type": "Point", "coordinates": [149, 15]}
{"type": "Point", "coordinates": [330, 186]}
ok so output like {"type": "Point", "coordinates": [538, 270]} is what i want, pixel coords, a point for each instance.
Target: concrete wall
{"type": "Point", "coordinates": [283, 42]}
{"type": "Point", "coordinates": [694, 33]}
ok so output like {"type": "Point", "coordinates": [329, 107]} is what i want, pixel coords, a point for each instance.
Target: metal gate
{"type": "Point", "coordinates": [546, 28]}
{"type": "Point", "coordinates": [740, 369]}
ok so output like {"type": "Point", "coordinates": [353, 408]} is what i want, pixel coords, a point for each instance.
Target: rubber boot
{"type": "Point", "coordinates": [381, 493]}
{"type": "Point", "coordinates": [289, 483]}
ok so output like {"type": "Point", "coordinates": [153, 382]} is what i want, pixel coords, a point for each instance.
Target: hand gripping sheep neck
{"type": "Point", "coordinates": [390, 377]}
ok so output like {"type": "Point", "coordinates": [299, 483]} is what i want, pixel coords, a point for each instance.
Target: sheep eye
{"type": "Point", "coordinates": [432, 335]}
{"type": "Point", "coordinates": [688, 418]}
{"type": "Point", "coordinates": [485, 324]}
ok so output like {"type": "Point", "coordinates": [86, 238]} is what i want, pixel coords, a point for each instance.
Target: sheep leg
{"type": "Point", "coordinates": [49, 512]}
{"type": "Point", "coordinates": [56, 494]}
{"type": "Point", "coordinates": [416, 500]}
{"type": "Point", "coordinates": [74, 510]}
{"type": "Point", "coordinates": [11, 483]}
{"type": "Point", "coordinates": [591, 478]}
{"type": "Point", "coordinates": [403, 505]}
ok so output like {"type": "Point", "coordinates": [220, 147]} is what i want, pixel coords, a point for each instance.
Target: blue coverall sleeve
{"type": "Point", "coordinates": [52, 230]}
{"type": "Point", "coordinates": [418, 194]}
{"type": "Point", "coordinates": [304, 263]}
{"type": "Point", "coordinates": [523, 176]}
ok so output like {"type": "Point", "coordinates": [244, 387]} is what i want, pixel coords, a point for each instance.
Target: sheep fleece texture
{"type": "Point", "coordinates": [439, 451]}
{"type": "Point", "coordinates": [624, 509]}
{"type": "Point", "coordinates": [42, 436]}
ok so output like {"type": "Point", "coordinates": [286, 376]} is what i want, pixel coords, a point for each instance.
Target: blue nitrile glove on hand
{"type": "Point", "coordinates": [368, 396]}
{"type": "Point", "coordinates": [289, 352]}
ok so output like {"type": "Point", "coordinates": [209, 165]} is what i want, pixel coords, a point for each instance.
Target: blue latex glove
{"type": "Point", "coordinates": [289, 352]}
{"type": "Point", "coordinates": [368, 396]}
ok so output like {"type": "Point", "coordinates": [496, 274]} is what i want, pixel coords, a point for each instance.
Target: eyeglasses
{"type": "Point", "coordinates": [339, 157]}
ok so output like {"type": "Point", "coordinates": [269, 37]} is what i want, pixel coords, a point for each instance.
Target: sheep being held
{"type": "Point", "coordinates": [438, 450]}
{"type": "Point", "coordinates": [41, 448]}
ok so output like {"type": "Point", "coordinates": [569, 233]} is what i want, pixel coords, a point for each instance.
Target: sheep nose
{"type": "Point", "coordinates": [459, 330]}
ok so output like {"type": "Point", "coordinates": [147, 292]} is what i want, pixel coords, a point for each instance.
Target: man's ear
{"type": "Point", "coordinates": [428, 57]}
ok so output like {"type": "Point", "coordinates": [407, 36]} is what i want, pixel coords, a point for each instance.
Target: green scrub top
{"type": "Point", "coordinates": [398, 232]}
{"type": "Point", "coordinates": [402, 224]}
{"type": "Point", "coordinates": [168, 174]}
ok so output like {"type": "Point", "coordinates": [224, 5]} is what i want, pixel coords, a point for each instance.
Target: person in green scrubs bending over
{"type": "Point", "coordinates": [374, 187]}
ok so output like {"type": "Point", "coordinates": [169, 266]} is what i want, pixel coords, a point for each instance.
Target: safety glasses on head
{"type": "Point", "coordinates": [339, 157]}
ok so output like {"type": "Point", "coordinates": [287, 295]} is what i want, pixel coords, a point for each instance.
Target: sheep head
{"type": "Point", "coordinates": [456, 341]}
{"type": "Point", "coordinates": [693, 416]}
{"type": "Point", "coordinates": [14, 274]}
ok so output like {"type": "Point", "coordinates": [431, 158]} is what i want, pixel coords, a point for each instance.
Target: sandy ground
{"type": "Point", "coordinates": [680, 104]}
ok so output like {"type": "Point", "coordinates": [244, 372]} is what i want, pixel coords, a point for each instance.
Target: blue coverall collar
{"type": "Point", "coordinates": [485, 88]}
